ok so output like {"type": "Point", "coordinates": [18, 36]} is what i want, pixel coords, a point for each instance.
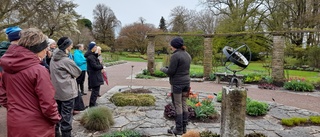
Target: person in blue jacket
{"type": "Point", "coordinates": [81, 62]}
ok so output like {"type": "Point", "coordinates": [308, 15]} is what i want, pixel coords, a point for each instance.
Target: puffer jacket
{"type": "Point", "coordinates": [63, 72]}
{"type": "Point", "coordinates": [27, 93]}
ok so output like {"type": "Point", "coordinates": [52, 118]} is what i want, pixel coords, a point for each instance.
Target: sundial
{"type": "Point", "coordinates": [236, 60]}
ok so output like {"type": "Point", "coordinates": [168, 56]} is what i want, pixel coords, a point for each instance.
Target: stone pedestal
{"type": "Point", "coordinates": [150, 53]}
{"type": "Point", "coordinates": [233, 111]}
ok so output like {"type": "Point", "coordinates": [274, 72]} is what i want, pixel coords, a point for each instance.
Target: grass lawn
{"type": "Point", "coordinates": [254, 67]}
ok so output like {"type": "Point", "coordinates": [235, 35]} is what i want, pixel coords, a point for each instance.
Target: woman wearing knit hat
{"type": "Point", "coordinates": [63, 74]}
{"type": "Point", "coordinates": [27, 91]}
{"type": "Point", "coordinates": [94, 68]}
{"type": "Point", "coordinates": [178, 71]}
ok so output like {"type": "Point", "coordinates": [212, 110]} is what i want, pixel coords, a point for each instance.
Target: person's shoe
{"type": "Point", "coordinates": [174, 131]}
{"type": "Point", "coordinates": [83, 93]}
{"type": "Point", "coordinates": [89, 89]}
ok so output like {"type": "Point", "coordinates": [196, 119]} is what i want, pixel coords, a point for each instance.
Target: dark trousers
{"type": "Point", "coordinates": [80, 80]}
{"type": "Point", "coordinates": [94, 95]}
{"type": "Point", "coordinates": [78, 103]}
{"type": "Point", "coordinates": [65, 109]}
{"type": "Point", "coordinates": [179, 99]}
{"type": "Point", "coordinates": [88, 81]}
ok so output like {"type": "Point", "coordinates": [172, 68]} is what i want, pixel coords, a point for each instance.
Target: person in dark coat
{"type": "Point", "coordinates": [178, 72]}
{"type": "Point", "coordinates": [64, 72]}
{"type": "Point", "coordinates": [94, 68]}
{"type": "Point", "coordinates": [26, 90]}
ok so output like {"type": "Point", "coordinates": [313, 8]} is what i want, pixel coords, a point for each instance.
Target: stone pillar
{"type": "Point", "coordinates": [233, 112]}
{"type": "Point", "coordinates": [278, 59]}
{"type": "Point", "coordinates": [150, 53]}
{"type": "Point", "coordinates": [207, 56]}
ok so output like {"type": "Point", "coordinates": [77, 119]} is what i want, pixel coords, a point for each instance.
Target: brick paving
{"type": "Point", "coordinates": [120, 75]}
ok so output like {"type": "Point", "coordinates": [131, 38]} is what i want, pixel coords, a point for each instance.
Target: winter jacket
{"type": "Point", "coordinates": [4, 45]}
{"type": "Point", "coordinates": [80, 59]}
{"type": "Point", "coordinates": [27, 93]}
{"type": "Point", "coordinates": [63, 72]}
{"type": "Point", "coordinates": [94, 68]}
{"type": "Point", "coordinates": [179, 68]}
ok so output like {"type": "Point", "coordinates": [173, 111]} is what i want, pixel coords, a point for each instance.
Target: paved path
{"type": "Point", "coordinates": [150, 120]}
{"type": "Point", "coordinates": [120, 75]}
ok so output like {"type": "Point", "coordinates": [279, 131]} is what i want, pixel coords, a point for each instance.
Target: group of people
{"type": "Point", "coordinates": [42, 82]}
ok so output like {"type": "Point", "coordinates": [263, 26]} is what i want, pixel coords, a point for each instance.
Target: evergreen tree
{"type": "Point", "coordinates": [162, 24]}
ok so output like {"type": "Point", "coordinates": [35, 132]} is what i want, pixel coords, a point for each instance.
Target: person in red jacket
{"type": "Point", "coordinates": [26, 90]}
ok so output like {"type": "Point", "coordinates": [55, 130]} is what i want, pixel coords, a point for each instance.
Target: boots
{"type": "Point", "coordinates": [174, 131]}
{"type": "Point", "coordinates": [185, 123]}
{"type": "Point", "coordinates": [66, 133]}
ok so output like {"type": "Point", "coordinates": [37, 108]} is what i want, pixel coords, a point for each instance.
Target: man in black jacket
{"type": "Point", "coordinates": [178, 72]}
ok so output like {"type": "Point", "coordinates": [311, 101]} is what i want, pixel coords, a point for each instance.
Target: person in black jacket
{"type": "Point", "coordinates": [94, 68]}
{"type": "Point", "coordinates": [178, 72]}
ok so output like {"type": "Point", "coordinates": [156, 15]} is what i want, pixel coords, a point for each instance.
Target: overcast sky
{"type": "Point", "coordinates": [129, 11]}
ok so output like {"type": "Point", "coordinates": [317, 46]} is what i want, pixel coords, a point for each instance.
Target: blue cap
{"type": "Point", "coordinates": [91, 45]}
{"type": "Point", "coordinates": [13, 33]}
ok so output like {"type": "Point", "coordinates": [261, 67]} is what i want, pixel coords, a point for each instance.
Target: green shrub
{"type": "Point", "coordinates": [219, 96]}
{"type": "Point", "coordinates": [252, 78]}
{"type": "Point", "coordinates": [207, 133]}
{"type": "Point", "coordinates": [256, 108]}
{"type": "Point", "coordinates": [132, 99]}
{"type": "Point", "coordinates": [158, 73]}
{"type": "Point", "coordinates": [293, 121]}
{"type": "Point", "coordinates": [141, 76]}
{"type": "Point", "coordinates": [145, 72]}
{"type": "Point", "coordinates": [212, 77]}
{"type": "Point", "coordinates": [315, 119]}
{"type": "Point", "coordinates": [124, 133]}
{"type": "Point", "coordinates": [196, 74]}
{"type": "Point", "coordinates": [287, 122]}
{"type": "Point", "coordinates": [255, 135]}
{"type": "Point", "coordinates": [97, 118]}
{"type": "Point", "coordinates": [297, 85]}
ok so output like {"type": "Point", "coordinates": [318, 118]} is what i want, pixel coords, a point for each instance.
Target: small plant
{"type": "Point", "coordinates": [160, 74]}
{"type": "Point", "coordinates": [298, 84]}
{"type": "Point", "coordinates": [294, 121]}
{"type": "Point", "coordinates": [315, 120]}
{"type": "Point", "coordinates": [256, 108]}
{"type": "Point", "coordinates": [132, 99]}
{"type": "Point", "coordinates": [252, 78]}
{"type": "Point", "coordinates": [204, 108]}
{"type": "Point", "coordinates": [142, 76]}
{"type": "Point", "coordinates": [124, 133]}
{"type": "Point", "coordinates": [97, 118]}
{"type": "Point", "coordinates": [208, 134]}
{"type": "Point", "coordinates": [219, 96]}
{"type": "Point", "coordinates": [255, 135]}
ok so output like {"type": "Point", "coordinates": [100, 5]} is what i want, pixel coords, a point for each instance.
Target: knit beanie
{"type": "Point", "coordinates": [13, 33]}
{"type": "Point", "coordinates": [50, 41]}
{"type": "Point", "coordinates": [64, 43]}
{"type": "Point", "coordinates": [177, 42]}
{"type": "Point", "coordinates": [91, 45]}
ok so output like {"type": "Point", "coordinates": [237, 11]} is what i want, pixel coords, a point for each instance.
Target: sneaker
{"type": "Point", "coordinates": [83, 93]}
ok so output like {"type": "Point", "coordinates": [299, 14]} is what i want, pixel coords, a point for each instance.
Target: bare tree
{"type": "Point", "coordinates": [16, 12]}
{"type": "Point", "coordinates": [180, 17]}
{"type": "Point", "coordinates": [104, 24]}
{"type": "Point", "coordinates": [236, 12]}
{"type": "Point", "coordinates": [133, 37]}
{"type": "Point", "coordinates": [205, 21]}
{"type": "Point", "coordinates": [55, 18]}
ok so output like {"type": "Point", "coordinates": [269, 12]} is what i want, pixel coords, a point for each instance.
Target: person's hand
{"type": "Point", "coordinates": [163, 69]}
{"type": "Point", "coordinates": [49, 53]}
